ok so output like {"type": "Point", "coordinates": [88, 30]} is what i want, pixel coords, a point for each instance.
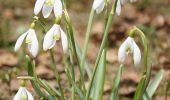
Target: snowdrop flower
{"type": "Point", "coordinates": [30, 39]}
{"type": "Point", "coordinates": [121, 2]}
{"type": "Point", "coordinates": [53, 35]}
{"type": "Point", "coordinates": [23, 93]}
{"type": "Point", "coordinates": [47, 6]}
{"type": "Point", "coordinates": [98, 5]}
{"type": "Point", "coordinates": [129, 45]}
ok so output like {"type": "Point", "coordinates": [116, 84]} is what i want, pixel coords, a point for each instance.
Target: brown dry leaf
{"type": "Point", "coordinates": [97, 28]}
{"type": "Point", "coordinates": [4, 91]}
{"type": "Point", "coordinates": [130, 14]}
{"type": "Point", "coordinates": [44, 59]}
{"type": "Point", "coordinates": [161, 98]}
{"type": "Point", "coordinates": [44, 72]}
{"type": "Point", "coordinates": [111, 55]}
{"type": "Point", "coordinates": [14, 84]}
{"type": "Point", "coordinates": [60, 68]}
{"type": "Point", "coordinates": [158, 21]}
{"type": "Point", "coordinates": [7, 59]}
{"type": "Point", "coordinates": [129, 83]}
{"type": "Point", "coordinates": [143, 18]}
{"type": "Point", "coordinates": [167, 20]}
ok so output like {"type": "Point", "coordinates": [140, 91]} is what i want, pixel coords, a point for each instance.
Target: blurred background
{"type": "Point", "coordinates": [152, 16]}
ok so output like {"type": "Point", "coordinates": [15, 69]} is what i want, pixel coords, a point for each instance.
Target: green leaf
{"type": "Point", "coordinates": [98, 84]}
{"type": "Point", "coordinates": [153, 86]}
{"type": "Point", "coordinates": [140, 87]}
{"type": "Point", "coordinates": [30, 73]}
{"type": "Point", "coordinates": [86, 64]}
{"type": "Point", "coordinates": [116, 83]}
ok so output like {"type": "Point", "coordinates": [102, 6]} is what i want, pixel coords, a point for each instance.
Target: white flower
{"type": "Point", "coordinates": [129, 45]}
{"type": "Point", "coordinates": [54, 34]}
{"type": "Point", "coordinates": [121, 2]}
{"type": "Point", "coordinates": [23, 94]}
{"type": "Point", "coordinates": [31, 39]}
{"type": "Point", "coordinates": [47, 6]}
{"type": "Point", "coordinates": [98, 5]}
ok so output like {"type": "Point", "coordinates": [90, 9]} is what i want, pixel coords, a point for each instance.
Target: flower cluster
{"type": "Point", "coordinates": [47, 6]}
{"type": "Point", "coordinates": [56, 33]}
{"type": "Point", "coordinates": [51, 36]}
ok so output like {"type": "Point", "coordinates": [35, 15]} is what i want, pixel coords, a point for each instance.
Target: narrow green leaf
{"type": "Point", "coordinates": [30, 73]}
{"type": "Point", "coordinates": [86, 64]}
{"type": "Point", "coordinates": [153, 86]}
{"type": "Point", "coordinates": [98, 84]}
{"type": "Point", "coordinates": [50, 90]}
{"type": "Point", "coordinates": [116, 83]}
{"type": "Point", "coordinates": [140, 87]}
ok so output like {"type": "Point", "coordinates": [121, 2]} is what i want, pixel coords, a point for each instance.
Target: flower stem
{"type": "Point", "coordinates": [104, 41]}
{"type": "Point", "coordinates": [72, 72]}
{"type": "Point", "coordinates": [57, 76]}
{"type": "Point", "coordinates": [71, 35]}
{"type": "Point", "coordinates": [87, 38]}
{"type": "Point", "coordinates": [147, 71]}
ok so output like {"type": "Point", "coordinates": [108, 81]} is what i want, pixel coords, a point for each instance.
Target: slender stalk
{"type": "Point", "coordinates": [72, 73]}
{"type": "Point", "coordinates": [71, 35]}
{"type": "Point", "coordinates": [34, 70]}
{"type": "Point", "coordinates": [147, 71]}
{"type": "Point", "coordinates": [71, 76]}
{"type": "Point", "coordinates": [50, 91]}
{"type": "Point", "coordinates": [87, 37]}
{"type": "Point", "coordinates": [104, 41]}
{"type": "Point", "coordinates": [57, 76]}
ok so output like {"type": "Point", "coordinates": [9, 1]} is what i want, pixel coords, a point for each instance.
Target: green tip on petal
{"type": "Point", "coordinates": [56, 37]}
{"type": "Point", "coordinates": [32, 25]}
{"type": "Point", "coordinates": [132, 32]}
{"type": "Point", "coordinates": [36, 18]}
{"type": "Point", "coordinates": [58, 20]}
{"type": "Point", "coordinates": [49, 2]}
{"type": "Point", "coordinates": [22, 83]}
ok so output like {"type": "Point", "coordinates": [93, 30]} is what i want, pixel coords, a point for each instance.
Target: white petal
{"type": "Point", "coordinates": [33, 46]}
{"type": "Point", "coordinates": [30, 97]}
{"type": "Point", "coordinates": [128, 43]}
{"type": "Point", "coordinates": [18, 94]}
{"type": "Point", "coordinates": [46, 11]}
{"type": "Point", "coordinates": [100, 8]}
{"type": "Point", "coordinates": [64, 41]}
{"type": "Point", "coordinates": [118, 8]}
{"type": "Point", "coordinates": [57, 33]}
{"type": "Point", "coordinates": [53, 44]}
{"type": "Point", "coordinates": [20, 41]}
{"type": "Point", "coordinates": [97, 3]}
{"type": "Point", "coordinates": [49, 41]}
{"type": "Point", "coordinates": [122, 53]}
{"type": "Point", "coordinates": [136, 54]}
{"type": "Point", "coordinates": [38, 6]}
{"type": "Point", "coordinates": [57, 8]}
